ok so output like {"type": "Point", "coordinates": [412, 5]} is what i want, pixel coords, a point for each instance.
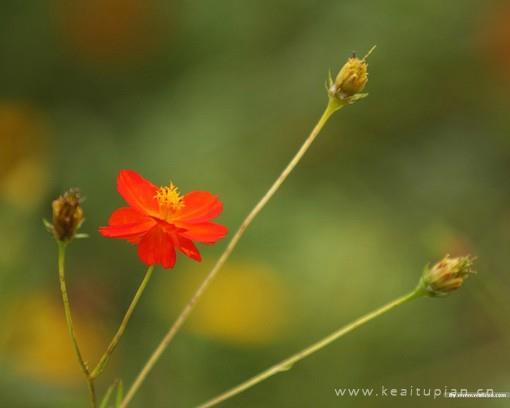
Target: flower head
{"type": "Point", "coordinates": [447, 275]}
{"type": "Point", "coordinates": [67, 215]}
{"type": "Point", "coordinates": [160, 221]}
{"type": "Point", "coordinates": [351, 78]}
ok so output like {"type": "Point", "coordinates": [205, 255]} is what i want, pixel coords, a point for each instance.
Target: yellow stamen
{"type": "Point", "coordinates": [169, 197]}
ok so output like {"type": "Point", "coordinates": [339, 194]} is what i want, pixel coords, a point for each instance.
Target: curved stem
{"type": "Point", "coordinates": [333, 105]}
{"type": "Point", "coordinates": [289, 362]}
{"type": "Point", "coordinates": [69, 322]}
{"type": "Point", "coordinates": [122, 328]}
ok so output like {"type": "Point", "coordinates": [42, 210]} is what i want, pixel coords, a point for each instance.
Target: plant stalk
{"type": "Point", "coordinates": [122, 328]}
{"type": "Point", "coordinates": [334, 104]}
{"type": "Point", "coordinates": [69, 322]}
{"type": "Point", "coordinates": [290, 361]}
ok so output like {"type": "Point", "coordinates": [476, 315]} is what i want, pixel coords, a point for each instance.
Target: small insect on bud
{"type": "Point", "coordinates": [352, 78]}
{"type": "Point", "coordinates": [447, 275]}
{"type": "Point", "coordinates": [67, 215]}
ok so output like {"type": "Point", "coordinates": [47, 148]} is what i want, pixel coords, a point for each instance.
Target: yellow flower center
{"type": "Point", "coordinates": [169, 198]}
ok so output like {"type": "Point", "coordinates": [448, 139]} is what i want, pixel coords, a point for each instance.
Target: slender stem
{"type": "Point", "coordinates": [289, 362]}
{"type": "Point", "coordinates": [122, 328]}
{"type": "Point", "coordinates": [333, 105]}
{"type": "Point", "coordinates": [92, 392]}
{"type": "Point", "coordinates": [69, 321]}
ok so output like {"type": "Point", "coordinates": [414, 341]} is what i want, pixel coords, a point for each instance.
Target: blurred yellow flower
{"type": "Point", "coordinates": [35, 341]}
{"type": "Point", "coordinates": [246, 304]}
{"type": "Point", "coordinates": [23, 159]}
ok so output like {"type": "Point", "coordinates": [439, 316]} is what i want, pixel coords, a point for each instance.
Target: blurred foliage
{"type": "Point", "coordinates": [218, 95]}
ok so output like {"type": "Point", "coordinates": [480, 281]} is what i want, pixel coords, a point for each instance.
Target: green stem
{"type": "Point", "coordinates": [69, 321]}
{"type": "Point", "coordinates": [333, 105]}
{"type": "Point", "coordinates": [289, 362]}
{"type": "Point", "coordinates": [122, 328]}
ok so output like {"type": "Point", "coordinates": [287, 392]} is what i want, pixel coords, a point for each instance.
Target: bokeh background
{"type": "Point", "coordinates": [218, 96]}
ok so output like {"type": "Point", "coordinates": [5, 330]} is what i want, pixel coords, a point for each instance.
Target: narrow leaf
{"type": "Point", "coordinates": [120, 394]}
{"type": "Point", "coordinates": [106, 398]}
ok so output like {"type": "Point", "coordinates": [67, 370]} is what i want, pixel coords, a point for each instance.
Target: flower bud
{"type": "Point", "coordinates": [446, 275]}
{"type": "Point", "coordinates": [67, 215]}
{"type": "Point", "coordinates": [352, 78]}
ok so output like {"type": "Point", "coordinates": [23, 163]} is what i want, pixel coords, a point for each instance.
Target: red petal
{"type": "Point", "coordinates": [199, 206]}
{"type": "Point", "coordinates": [188, 248]}
{"type": "Point", "coordinates": [138, 192]}
{"type": "Point", "coordinates": [156, 247]}
{"type": "Point", "coordinates": [206, 232]}
{"type": "Point", "coordinates": [126, 215]}
{"type": "Point", "coordinates": [128, 230]}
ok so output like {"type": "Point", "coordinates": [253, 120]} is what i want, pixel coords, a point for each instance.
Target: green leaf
{"type": "Point", "coordinates": [120, 394]}
{"type": "Point", "coordinates": [106, 398]}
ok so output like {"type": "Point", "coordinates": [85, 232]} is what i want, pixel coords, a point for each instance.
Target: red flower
{"type": "Point", "coordinates": [160, 220]}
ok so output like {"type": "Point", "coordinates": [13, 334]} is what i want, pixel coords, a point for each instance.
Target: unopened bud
{"type": "Point", "coordinates": [447, 275]}
{"type": "Point", "coordinates": [352, 78]}
{"type": "Point", "coordinates": [67, 215]}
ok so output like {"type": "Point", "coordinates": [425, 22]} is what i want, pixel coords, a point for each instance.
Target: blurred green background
{"type": "Point", "coordinates": [218, 96]}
